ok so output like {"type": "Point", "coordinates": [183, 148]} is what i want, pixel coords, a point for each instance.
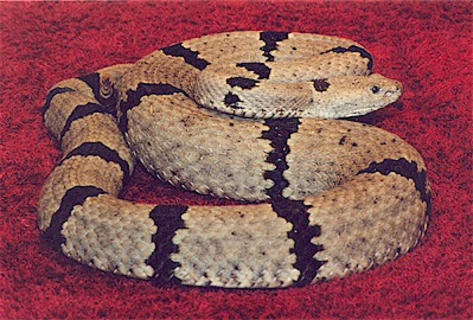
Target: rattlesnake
{"type": "Point", "coordinates": [326, 197]}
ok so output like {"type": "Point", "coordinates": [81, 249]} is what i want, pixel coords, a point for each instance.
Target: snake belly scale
{"type": "Point", "coordinates": [244, 115]}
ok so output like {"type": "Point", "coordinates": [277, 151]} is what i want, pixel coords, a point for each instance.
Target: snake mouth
{"type": "Point", "coordinates": [348, 110]}
{"type": "Point", "coordinates": [391, 93]}
{"type": "Point", "coordinates": [362, 112]}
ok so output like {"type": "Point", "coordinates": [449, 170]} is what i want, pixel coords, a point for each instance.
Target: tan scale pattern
{"type": "Point", "coordinates": [322, 39]}
{"type": "Point", "coordinates": [111, 235]}
{"type": "Point", "coordinates": [326, 66]}
{"type": "Point", "coordinates": [340, 150]}
{"type": "Point", "coordinates": [79, 86]}
{"type": "Point", "coordinates": [358, 234]}
{"type": "Point", "coordinates": [199, 150]}
{"type": "Point", "coordinates": [228, 247]}
{"type": "Point", "coordinates": [61, 108]}
{"type": "Point", "coordinates": [76, 171]}
{"type": "Point", "coordinates": [308, 45]}
{"type": "Point", "coordinates": [241, 47]}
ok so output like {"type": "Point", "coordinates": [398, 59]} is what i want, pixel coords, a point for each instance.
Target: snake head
{"type": "Point", "coordinates": [382, 90]}
{"type": "Point", "coordinates": [348, 96]}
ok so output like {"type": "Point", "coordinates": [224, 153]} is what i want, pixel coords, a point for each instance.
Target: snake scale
{"type": "Point", "coordinates": [247, 115]}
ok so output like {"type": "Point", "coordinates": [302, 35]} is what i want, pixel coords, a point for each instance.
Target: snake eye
{"type": "Point", "coordinates": [375, 89]}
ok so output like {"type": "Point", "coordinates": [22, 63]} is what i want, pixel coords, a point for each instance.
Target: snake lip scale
{"type": "Point", "coordinates": [258, 116]}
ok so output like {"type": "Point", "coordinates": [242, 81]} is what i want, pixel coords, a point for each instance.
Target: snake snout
{"type": "Point", "coordinates": [398, 86]}
{"type": "Point", "coordinates": [394, 91]}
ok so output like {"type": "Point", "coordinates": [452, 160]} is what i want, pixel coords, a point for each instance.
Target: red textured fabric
{"type": "Point", "coordinates": [427, 45]}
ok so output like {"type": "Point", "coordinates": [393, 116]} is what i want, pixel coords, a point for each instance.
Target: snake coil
{"type": "Point", "coordinates": [244, 115]}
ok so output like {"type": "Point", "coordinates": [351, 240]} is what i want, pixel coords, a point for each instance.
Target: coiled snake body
{"type": "Point", "coordinates": [338, 196]}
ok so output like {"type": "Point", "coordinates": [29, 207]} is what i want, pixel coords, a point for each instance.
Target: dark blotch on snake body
{"type": "Point", "coordinates": [259, 68]}
{"type": "Point", "coordinates": [82, 111]}
{"type": "Point", "coordinates": [278, 134]}
{"type": "Point", "coordinates": [242, 82]}
{"type": "Point", "coordinates": [270, 39]}
{"type": "Point", "coordinates": [51, 95]}
{"type": "Point", "coordinates": [73, 197]}
{"type": "Point", "coordinates": [191, 57]}
{"type": "Point", "coordinates": [321, 85]}
{"type": "Point", "coordinates": [134, 98]}
{"type": "Point", "coordinates": [408, 170]}
{"type": "Point", "coordinates": [231, 100]}
{"type": "Point", "coordinates": [363, 53]}
{"type": "Point", "coordinates": [93, 81]}
{"type": "Point", "coordinates": [168, 219]}
{"type": "Point", "coordinates": [100, 150]}
{"type": "Point", "coordinates": [293, 211]}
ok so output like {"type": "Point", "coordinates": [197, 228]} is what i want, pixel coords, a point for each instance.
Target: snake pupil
{"type": "Point", "coordinates": [375, 89]}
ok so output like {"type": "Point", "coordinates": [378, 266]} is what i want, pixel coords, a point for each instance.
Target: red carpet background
{"type": "Point", "coordinates": [426, 45]}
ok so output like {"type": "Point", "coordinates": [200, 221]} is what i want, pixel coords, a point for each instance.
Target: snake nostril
{"type": "Point", "coordinates": [398, 86]}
